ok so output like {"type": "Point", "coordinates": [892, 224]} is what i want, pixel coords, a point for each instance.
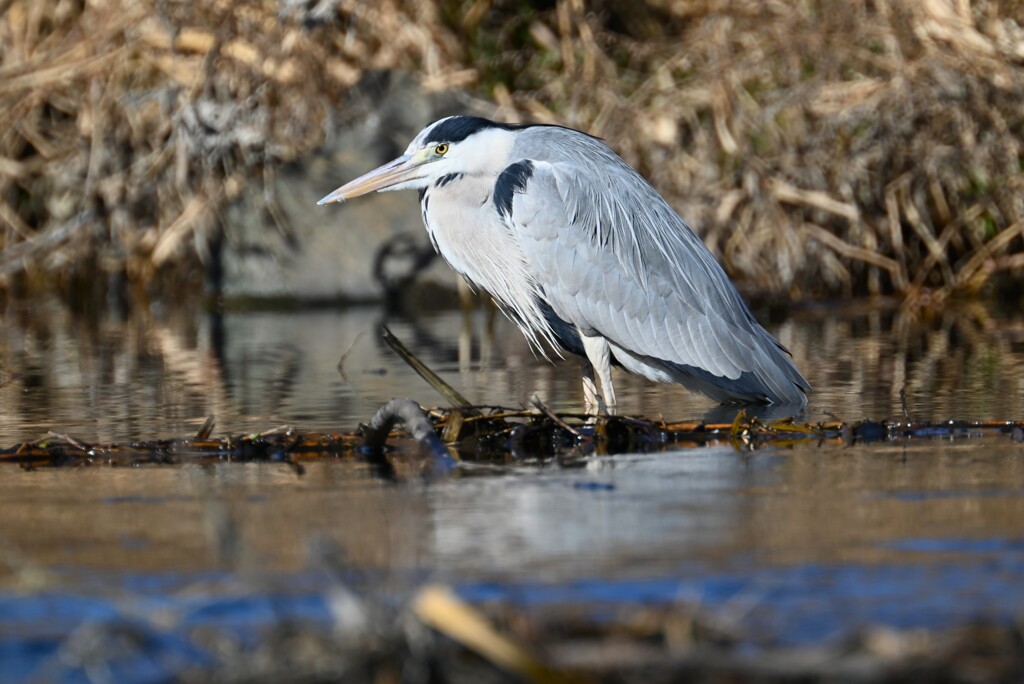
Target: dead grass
{"type": "Point", "coordinates": [821, 148]}
{"type": "Point", "coordinates": [126, 126]}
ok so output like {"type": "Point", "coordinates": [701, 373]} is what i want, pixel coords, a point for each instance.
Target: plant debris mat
{"type": "Point", "coordinates": [494, 435]}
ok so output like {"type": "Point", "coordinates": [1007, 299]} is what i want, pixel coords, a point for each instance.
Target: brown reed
{"type": "Point", "coordinates": [820, 148]}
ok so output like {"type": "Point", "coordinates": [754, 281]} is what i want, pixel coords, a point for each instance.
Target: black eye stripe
{"type": "Point", "coordinates": [458, 128]}
{"type": "Point", "coordinates": [455, 129]}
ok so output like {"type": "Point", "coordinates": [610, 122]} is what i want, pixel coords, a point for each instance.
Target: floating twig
{"type": "Point", "coordinates": [344, 356]}
{"type": "Point", "coordinates": [451, 395]}
{"type": "Point", "coordinates": [543, 408]}
{"type": "Point", "coordinates": [71, 440]}
{"type": "Point", "coordinates": [903, 403]}
{"type": "Point", "coordinates": [203, 433]}
{"type": "Point", "coordinates": [279, 430]}
{"type": "Point", "coordinates": [438, 607]}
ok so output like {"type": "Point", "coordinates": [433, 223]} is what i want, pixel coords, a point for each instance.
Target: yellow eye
{"type": "Point", "coordinates": [441, 149]}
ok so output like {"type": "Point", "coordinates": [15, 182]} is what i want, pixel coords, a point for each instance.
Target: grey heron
{"type": "Point", "coordinates": [584, 255]}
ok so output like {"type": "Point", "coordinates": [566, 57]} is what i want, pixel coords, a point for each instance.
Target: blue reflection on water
{"type": "Point", "coordinates": [795, 605]}
{"type": "Point", "coordinates": [246, 616]}
{"type": "Point", "coordinates": [930, 495]}
{"type": "Point", "coordinates": [955, 545]}
{"type": "Point", "coordinates": [55, 636]}
{"type": "Point", "coordinates": [135, 499]}
{"type": "Point", "coordinates": [38, 631]}
{"type": "Point", "coordinates": [811, 603]}
{"type": "Point", "coordinates": [56, 612]}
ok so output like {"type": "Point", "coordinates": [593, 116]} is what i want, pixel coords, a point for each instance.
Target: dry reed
{"type": "Point", "coordinates": [821, 148]}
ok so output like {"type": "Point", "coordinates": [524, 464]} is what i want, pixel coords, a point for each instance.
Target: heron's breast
{"type": "Point", "coordinates": [468, 232]}
{"type": "Point", "coordinates": [465, 229]}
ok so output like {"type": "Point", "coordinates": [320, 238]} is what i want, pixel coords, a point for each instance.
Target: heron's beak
{"type": "Point", "coordinates": [396, 171]}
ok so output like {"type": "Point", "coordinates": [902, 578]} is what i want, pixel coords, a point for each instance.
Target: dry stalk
{"type": "Point", "coordinates": [890, 130]}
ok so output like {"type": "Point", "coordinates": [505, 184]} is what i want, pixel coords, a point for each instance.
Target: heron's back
{"type": "Point", "coordinates": [613, 258]}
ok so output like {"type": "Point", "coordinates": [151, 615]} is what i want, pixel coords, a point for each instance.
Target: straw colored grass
{"type": "Point", "coordinates": [820, 148]}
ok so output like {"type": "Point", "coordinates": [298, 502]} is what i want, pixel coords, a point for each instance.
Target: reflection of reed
{"type": "Point", "coordinates": [102, 380]}
{"type": "Point", "coordinates": [196, 367]}
{"type": "Point", "coordinates": [182, 519]}
{"type": "Point", "coordinates": [853, 506]}
{"type": "Point", "coordinates": [801, 505]}
{"type": "Point", "coordinates": [957, 364]}
{"type": "Point", "coordinates": [954, 364]}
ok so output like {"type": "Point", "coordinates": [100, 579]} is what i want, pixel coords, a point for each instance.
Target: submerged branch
{"type": "Point", "coordinates": [416, 422]}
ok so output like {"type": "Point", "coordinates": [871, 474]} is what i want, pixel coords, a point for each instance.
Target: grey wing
{"type": "Point", "coordinates": [613, 259]}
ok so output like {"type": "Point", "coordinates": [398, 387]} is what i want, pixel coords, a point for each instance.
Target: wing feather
{"type": "Point", "coordinates": [614, 259]}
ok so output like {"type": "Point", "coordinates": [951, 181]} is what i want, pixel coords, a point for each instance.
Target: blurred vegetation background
{"type": "Point", "coordinates": [821, 148]}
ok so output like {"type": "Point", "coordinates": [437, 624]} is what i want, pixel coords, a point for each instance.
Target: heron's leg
{"type": "Point", "coordinates": [599, 356]}
{"type": "Point", "coordinates": [591, 399]}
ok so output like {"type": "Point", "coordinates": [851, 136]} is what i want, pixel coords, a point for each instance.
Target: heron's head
{"type": "Point", "coordinates": [454, 145]}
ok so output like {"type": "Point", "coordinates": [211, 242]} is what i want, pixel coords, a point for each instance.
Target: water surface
{"type": "Point", "coordinates": [797, 545]}
{"type": "Point", "coordinates": [162, 375]}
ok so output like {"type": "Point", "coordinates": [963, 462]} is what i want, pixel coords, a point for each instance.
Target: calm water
{"type": "Point", "coordinates": [161, 376]}
{"type": "Point", "coordinates": [801, 545]}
